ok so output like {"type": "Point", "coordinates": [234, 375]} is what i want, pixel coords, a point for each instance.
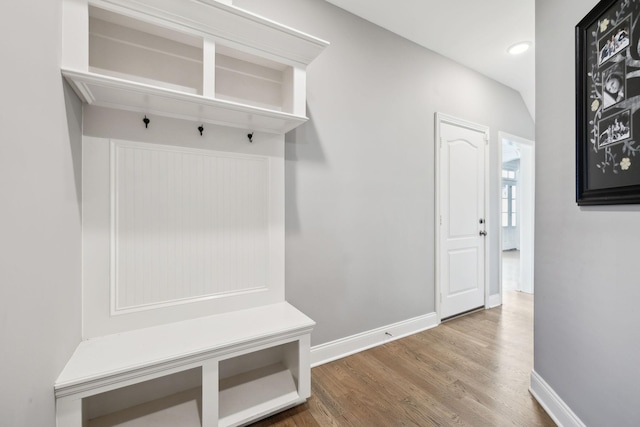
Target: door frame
{"type": "Point", "coordinates": [530, 143]}
{"type": "Point", "coordinates": [445, 118]}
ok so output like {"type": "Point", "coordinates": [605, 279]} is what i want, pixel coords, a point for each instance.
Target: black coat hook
{"type": "Point", "coordinates": [250, 136]}
{"type": "Point", "coordinates": [146, 122]}
{"type": "Point", "coordinates": [201, 128]}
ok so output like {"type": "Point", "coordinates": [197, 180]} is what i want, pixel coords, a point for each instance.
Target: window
{"type": "Point", "coordinates": [509, 199]}
{"type": "Point", "coordinates": [508, 174]}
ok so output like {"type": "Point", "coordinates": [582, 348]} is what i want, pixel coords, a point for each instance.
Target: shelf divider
{"type": "Point", "coordinates": [210, 380]}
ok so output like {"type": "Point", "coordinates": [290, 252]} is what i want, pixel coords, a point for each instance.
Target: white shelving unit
{"type": "Point", "coordinates": [209, 62]}
{"type": "Point", "coordinates": [201, 60]}
{"type": "Point", "coordinates": [231, 368]}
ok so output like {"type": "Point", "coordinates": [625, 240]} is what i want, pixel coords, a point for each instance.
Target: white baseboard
{"type": "Point", "coordinates": [552, 403]}
{"type": "Point", "coordinates": [494, 301]}
{"type": "Point", "coordinates": [328, 352]}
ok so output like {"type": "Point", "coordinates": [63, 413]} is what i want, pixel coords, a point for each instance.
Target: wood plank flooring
{"type": "Point", "coordinates": [470, 371]}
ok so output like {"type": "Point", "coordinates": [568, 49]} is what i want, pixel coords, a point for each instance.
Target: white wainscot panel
{"type": "Point", "coordinates": [186, 225]}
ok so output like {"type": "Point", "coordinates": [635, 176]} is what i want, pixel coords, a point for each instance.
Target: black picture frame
{"type": "Point", "coordinates": [608, 104]}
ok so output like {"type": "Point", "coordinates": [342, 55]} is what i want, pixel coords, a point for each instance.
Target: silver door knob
{"type": "Point", "coordinates": [483, 233]}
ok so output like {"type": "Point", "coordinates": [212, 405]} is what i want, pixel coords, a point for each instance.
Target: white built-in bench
{"type": "Point", "coordinates": [223, 370]}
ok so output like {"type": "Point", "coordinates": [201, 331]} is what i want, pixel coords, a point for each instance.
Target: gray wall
{"type": "Point", "coordinates": [40, 214]}
{"type": "Point", "coordinates": [587, 279]}
{"type": "Point", "coordinates": [360, 174]}
{"type": "Point", "coordinates": [360, 186]}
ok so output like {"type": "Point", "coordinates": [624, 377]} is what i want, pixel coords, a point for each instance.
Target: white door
{"type": "Point", "coordinates": [462, 221]}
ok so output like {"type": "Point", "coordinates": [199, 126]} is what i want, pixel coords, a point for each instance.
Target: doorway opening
{"type": "Point", "coordinates": [517, 192]}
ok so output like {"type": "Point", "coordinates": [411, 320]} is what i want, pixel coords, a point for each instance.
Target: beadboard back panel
{"type": "Point", "coordinates": [186, 224]}
{"type": "Point", "coordinates": [172, 232]}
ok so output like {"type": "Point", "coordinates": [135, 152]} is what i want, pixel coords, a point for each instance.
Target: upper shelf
{"type": "Point", "coordinates": [105, 91]}
{"type": "Point", "coordinates": [225, 24]}
{"type": "Point", "coordinates": [201, 60]}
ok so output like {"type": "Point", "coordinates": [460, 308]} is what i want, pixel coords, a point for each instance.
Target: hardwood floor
{"type": "Point", "coordinates": [470, 371]}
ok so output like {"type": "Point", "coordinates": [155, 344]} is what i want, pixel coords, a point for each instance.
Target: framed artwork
{"type": "Point", "coordinates": [608, 104]}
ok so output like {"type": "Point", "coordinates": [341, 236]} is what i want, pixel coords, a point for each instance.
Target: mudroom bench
{"type": "Point", "coordinates": [222, 370]}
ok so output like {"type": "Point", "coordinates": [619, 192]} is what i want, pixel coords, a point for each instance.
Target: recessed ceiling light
{"type": "Point", "coordinates": [519, 48]}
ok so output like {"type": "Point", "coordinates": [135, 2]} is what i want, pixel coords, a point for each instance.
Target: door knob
{"type": "Point", "coordinates": [483, 233]}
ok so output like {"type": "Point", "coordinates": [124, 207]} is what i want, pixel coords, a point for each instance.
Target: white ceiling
{"type": "Point", "coordinates": [475, 33]}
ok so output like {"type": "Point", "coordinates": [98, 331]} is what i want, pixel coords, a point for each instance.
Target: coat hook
{"type": "Point", "coordinates": [146, 122]}
{"type": "Point", "coordinates": [201, 128]}
{"type": "Point", "coordinates": [250, 136]}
